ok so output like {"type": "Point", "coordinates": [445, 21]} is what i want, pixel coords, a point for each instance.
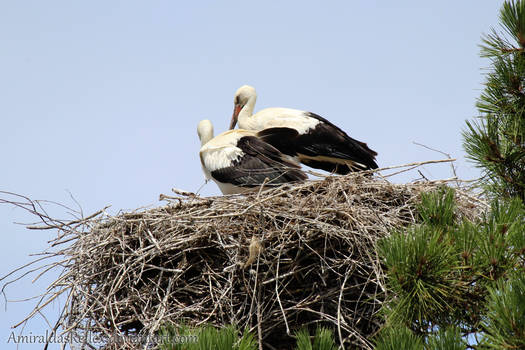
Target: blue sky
{"type": "Point", "coordinates": [101, 99]}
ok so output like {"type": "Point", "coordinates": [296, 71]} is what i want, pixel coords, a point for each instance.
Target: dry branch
{"type": "Point", "coordinates": [271, 261]}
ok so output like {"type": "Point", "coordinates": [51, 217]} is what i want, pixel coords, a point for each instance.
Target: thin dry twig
{"type": "Point", "coordinates": [181, 262]}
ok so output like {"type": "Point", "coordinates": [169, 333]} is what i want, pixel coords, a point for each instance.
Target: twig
{"type": "Point", "coordinates": [182, 262]}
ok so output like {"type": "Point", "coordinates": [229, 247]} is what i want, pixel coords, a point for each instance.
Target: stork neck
{"type": "Point", "coordinates": [206, 136]}
{"type": "Point", "coordinates": [247, 111]}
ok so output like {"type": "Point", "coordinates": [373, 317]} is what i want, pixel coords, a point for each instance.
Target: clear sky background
{"type": "Point", "coordinates": [101, 99]}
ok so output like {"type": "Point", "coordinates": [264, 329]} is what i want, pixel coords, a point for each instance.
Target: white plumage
{"type": "Point", "coordinates": [309, 137]}
{"type": "Point", "coordinates": [245, 99]}
{"type": "Point", "coordinates": [221, 151]}
{"type": "Point", "coordinates": [238, 161]}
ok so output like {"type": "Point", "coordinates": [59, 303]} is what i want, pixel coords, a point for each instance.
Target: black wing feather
{"type": "Point", "coordinates": [363, 145]}
{"type": "Point", "coordinates": [260, 161]}
{"type": "Point", "coordinates": [326, 139]}
{"type": "Point", "coordinates": [284, 139]}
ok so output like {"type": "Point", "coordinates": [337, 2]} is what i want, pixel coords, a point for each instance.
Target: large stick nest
{"type": "Point", "coordinates": [272, 261]}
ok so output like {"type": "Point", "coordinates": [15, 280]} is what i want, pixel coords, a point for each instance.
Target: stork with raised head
{"type": "Point", "coordinates": [310, 138]}
{"type": "Point", "coordinates": [238, 161]}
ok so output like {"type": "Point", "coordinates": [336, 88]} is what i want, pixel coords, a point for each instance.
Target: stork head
{"type": "Point", "coordinates": [205, 131]}
{"type": "Point", "coordinates": [243, 95]}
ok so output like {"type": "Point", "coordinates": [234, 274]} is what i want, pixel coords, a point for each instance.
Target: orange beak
{"type": "Point", "coordinates": [236, 111]}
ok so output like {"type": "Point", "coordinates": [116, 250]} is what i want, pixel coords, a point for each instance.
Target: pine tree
{"type": "Point", "coordinates": [496, 141]}
{"type": "Point", "coordinates": [454, 283]}
{"type": "Point", "coordinates": [445, 275]}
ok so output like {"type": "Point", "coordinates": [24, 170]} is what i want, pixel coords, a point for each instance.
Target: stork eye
{"type": "Point", "coordinates": [237, 100]}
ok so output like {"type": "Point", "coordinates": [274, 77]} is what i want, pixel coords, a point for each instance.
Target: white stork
{"type": "Point", "coordinates": [310, 138]}
{"type": "Point", "coordinates": [238, 161]}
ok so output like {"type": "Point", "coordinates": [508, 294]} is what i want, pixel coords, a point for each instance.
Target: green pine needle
{"type": "Point", "coordinates": [446, 339]}
{"type": "Point", "coordinates": [437, 208]}
{"type": "Point", "coordinates": [303, 340]}
{"type": "Point", "coordinates": [512, 17]}
{"type": "Point", "coordinates": [396, 338]}
{"type": "Point", "coordinates": [421, 268]}
{"type": "Point", "coordinates": [497, 142]}
{"type": "Point", "coordinates": [207, 337]}
{"type": "Point", "coordinates": [322, 340]}
{"type": "Point", "coordinates": [505, 321]}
